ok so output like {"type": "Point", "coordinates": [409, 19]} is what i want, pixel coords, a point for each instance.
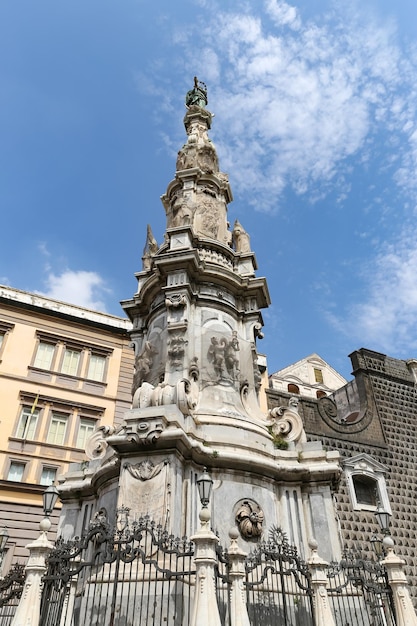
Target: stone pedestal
{"type": "Point", "coordinates": [28, 611]}
{"type": "Point", "coordinates": [404, 610]}
{"type": "Point", "coordinates": [239, 614]}
{"type": "Point", "coordinates": [322, 610]}
{"type": "Point", "coordinates": [205, 610]}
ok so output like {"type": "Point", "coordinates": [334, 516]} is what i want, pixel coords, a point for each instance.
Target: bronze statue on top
{"type": "Point", "coordinates": [198, 95]}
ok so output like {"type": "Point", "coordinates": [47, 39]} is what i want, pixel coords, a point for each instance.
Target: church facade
{"type": "Point", "coordinates": [371, 422]}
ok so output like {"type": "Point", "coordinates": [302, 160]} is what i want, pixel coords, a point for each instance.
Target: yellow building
{"type": "Point", "coordinates": [63, 371]}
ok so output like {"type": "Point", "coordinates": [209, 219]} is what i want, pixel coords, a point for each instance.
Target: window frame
{"type": "Point", "coordinates": [57, 416]}
{"type": "Point", "coordinates": [364, 465]}
{"type": "Point", "coordinates": [54, 468]}
{"type": "Point", "coordinates": [74, 350]}
{"type": "Point", "coordinates": [84, 419]}
{"type": "Point", "coordinates": [43, 342]}
{"type": "Point", "coordinates": [5, 329]}
{"type": "Point", "coordinates": [30, 413]}
{"type": "Point", "coordinates": [16, 462]}
{"type": "Point", "coordinates": [95, 354]}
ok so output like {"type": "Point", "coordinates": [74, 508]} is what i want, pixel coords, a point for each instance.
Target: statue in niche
{"type": "Point", "coordinates": [150, 249]}
{"type": "Point", "coordinates": [231, 358]}
{"type": "Point", "coordinates": [249, 519]}
{"type": "Point", "coordinates": [143, 364]}
{"type": "Point", "coordinates": [208, 217]}
{"type": "Point", "coordinates": [207, 159]}
{"type": "Point", "coordinates": [241, 239]}
{"type": "Point", "coordinates": [222, 354]}
{"type": "Point", "coordinates": [216, 355]}
{"type": "Point", "coordinates": [198, 95]}
{"type": "Point", "coordinates": [180, 212]}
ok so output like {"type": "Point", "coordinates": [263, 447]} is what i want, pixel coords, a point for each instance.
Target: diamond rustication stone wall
{"type": "Point", "coordinates": [379, 420]}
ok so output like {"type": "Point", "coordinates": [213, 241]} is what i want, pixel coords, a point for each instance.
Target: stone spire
{"type": "Point", "coordinates": [200, 192]}
{"type": "Point", "coordinates": [196, 319]}
{"type": "Point", "coordinates": [196, 315]}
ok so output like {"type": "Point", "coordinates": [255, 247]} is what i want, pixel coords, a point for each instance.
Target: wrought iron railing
{"type": "Point", "coordinates": [359, 592]}
{"type": "Point", "coordinates": [11, 587]}
{"type": "Point", "coordinates": [278, 584]}
{"type": "Point", "coordinates": [138, 574]}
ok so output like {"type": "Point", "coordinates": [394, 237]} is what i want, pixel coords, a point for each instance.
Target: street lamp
{"type": "Point", "coordinates": [205, 486]}
{"type": "Point", "coordinates": [50, 496]}
{"type": "Point", "coordinates": [383, 518]}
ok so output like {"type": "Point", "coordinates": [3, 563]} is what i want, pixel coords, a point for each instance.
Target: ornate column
{"type": "Point", "coordinates": [205, 609]}
{"type": "Point", "coordinates": [28, 610]}
{"type": "Point", "coordinates": [404, 610]}
{"type": "Point", "coordinates": [238, 610]}
{"type": "Point", "coordinates": [322, 610]}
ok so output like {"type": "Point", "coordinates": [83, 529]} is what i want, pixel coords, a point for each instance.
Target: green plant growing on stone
{"type": "Point", "coordinates": [278, 440]}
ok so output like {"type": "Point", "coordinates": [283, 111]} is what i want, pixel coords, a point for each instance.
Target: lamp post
{"type": "Point", "coordinates": [383, 518]}
{"type": "Point", "coordinates": [205, 486]}
{"type": "Point", "coordinates": [28, 611]}
{"type": "Point", "coordinates": [49, 497]}
{"type": "Point", "coordinates": [205, 609]}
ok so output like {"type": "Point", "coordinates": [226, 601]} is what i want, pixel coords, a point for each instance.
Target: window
{"type": "Point", "coordinates": [321, 394]}
{"type": "Point", "coordinates": [5, 328]}
{"type": "Point", "coordinates": [44, 355]}
{"type": "Point", "coordinates": [293, 388]}
{"type": "Point", "coordinates": [366, 481]}
{"type": "Point", "coordinates": [27, 423]}
{"type": "Point", "coordinates": [71, 362]}
{"type": "Point", "coordinates": [85, 430]}
{"type": "Point", "coordinates": [48, 476]}
{"type": "Point", "coordinates": [16, 471]}
{"type": "Point", "coordinates": [57, 429]}
{"type": "Point", "coordinates": [96, 367]}
{"type": "Point", "coordinates": [366, 490]}
{"type": "Point", "coordinates": [318, 375]}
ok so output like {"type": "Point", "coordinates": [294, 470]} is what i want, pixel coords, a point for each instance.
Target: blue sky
{"type": "Point", "coordinates": [315, 123]}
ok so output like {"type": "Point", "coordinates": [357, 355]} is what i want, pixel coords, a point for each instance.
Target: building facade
{"type": "Point", "coordinates": [311, 377]}
{"type": "Point", "coordinates": [64, 370]}
{"type": "Point", "coordinates": [371, 422]}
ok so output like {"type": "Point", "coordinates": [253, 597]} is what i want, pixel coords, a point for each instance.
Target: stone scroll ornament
{"type": "Point", "coordinates": [96, 445]}
{"type": "Point", "coordinates": [286, 422]}
{"type": "Point", "coordinates": [249, 519]}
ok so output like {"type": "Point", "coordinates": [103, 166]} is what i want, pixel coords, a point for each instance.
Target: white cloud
{"type": "Point", "coordinates": [294, 99]}
{"type": "Point", "coordinates": [82, 288]}
{"type": "Point", "coordinates": [283, 13]}
{"type": "Point", "coordinates": [388, 318]}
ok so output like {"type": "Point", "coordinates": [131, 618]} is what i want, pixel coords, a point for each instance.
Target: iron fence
{"type": "Point", "coordinates": [278, 584]}
{"type": "Point", "coordinates": [11, 587]}
{"type": "Point", "coordinates": [140, 575]}
{"type": "Point", "coordinates": [359, 592]}
{"type": "Point", "coordinates": [137, 574]}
